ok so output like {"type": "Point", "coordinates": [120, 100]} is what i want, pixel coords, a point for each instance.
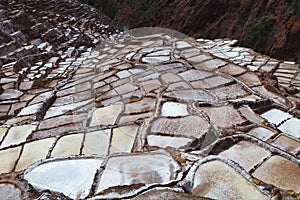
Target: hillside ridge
{"type": "Point", "coordinates": [270, 27]}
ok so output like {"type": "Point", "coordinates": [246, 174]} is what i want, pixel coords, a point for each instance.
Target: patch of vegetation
{"type": "Point", "coordinates": [297, 58]}
{"type": "Point", "coordinates": [243, 17]}
{"type": "Point", "coordinates": [147, 10]}
{"type": "Point", "coordinates": [261, 30]}
{"type": "Point", "coordinates": [168, 13]}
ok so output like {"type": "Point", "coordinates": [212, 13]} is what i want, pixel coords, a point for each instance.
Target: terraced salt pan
{"type": "Point", "coordinates": [8, 159]}
{"type": "Point", "coordinates": [172, 109]}
{"type": "Point", "coordinates": [106, 115]}
{"type": "Point", "coordinates": [68, 145]}
{"type": "Point", "coordinates": [148, 92]}
{"type": "Point", "coordinates": [223, 116]}
{"type": "Point", "coordinates": [123, 139]}
{"type": "Point", "coordinates": [155, 60]}
{"type": "Point", "coordinates": [10, 94]}
{"type": "Point", "coordinates": [280, 172]}
{"type": "Point", "coordinates": [217, 180]}
{"type": "Point", "coordinates": [261, 133]}
{"type": "Point", "coordinates": [144, 169]}
{"type": "Point", "coordinates": [32, 109]}
{"type": "Point", "coordinates": [2, 133]}
{"type": "Point", "coordinates": [97, 142]}
{"type": "Point", "coordinates": [192, 95]}
{"type": "Point", "coordinates": [246, 154]}
{"type": "Point", "coordinates": [276, 116]}
{"type": "Point", "coordinates": [59, 110]}
{"type": "Point", "coordinates": [285, 143]}
{"type": "Point", "coordinates": [291, 127]}
{"type": "Point", "coordinates": [73, 178]}
{"type": "Point", "coordinates": [166, 141]}
{"type": "Point", "coordinates": [189, 126]}
{"type": "Point", "coordinates": [17, 135]}
{"type": "Point", "coordinates": [33, 152]}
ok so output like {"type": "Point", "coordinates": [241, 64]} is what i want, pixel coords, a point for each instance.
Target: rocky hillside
{"type": "Point", "coordinates": [42, 43]}
{"type": "Point", "coordinates": [271, 27]}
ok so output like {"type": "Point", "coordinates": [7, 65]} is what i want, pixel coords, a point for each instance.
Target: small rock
{"type": "Point", "coordinates": [255, 181]}
{"type": "Point", "coordinates": [268, 186]}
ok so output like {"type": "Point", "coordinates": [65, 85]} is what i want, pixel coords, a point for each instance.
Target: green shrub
{"type": "Point", "coordinates": [261, 30]}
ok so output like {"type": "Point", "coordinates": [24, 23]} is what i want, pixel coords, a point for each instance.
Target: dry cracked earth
{"type": "Point", "coordinates": [88, 111]}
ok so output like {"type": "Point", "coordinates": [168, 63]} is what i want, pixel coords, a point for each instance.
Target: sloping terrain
{"type": "Point", "coordinates": [40, 45]}
{"type": "Point", "coordinates": [150, 113]}
{"type": "Point", "coordinates": [271, 27]}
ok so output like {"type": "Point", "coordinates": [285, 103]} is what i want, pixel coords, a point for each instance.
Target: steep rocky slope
{"type": "Point", "coordinates": [271, 27]}
{"type": "Point", "coordinates": [42, 43]}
